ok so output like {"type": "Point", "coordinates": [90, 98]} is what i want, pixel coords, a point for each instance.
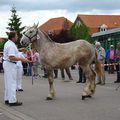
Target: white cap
{"type": "Point", "coordinates": [112, 46]}
{"type": "Point", "coordinates": [97, 43]}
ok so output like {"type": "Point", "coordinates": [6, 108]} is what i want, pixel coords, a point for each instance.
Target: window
{"type": "Point", "coordinates": [103, 28]}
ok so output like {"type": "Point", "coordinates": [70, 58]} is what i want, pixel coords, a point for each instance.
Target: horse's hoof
{"type": "Point", "coordinates": [88, 96]}
{"type": "Point", "coordinates": [92, 91]}
{"type": "Point", "coordinates": [83, 97]}
{"type": "Point", "coordinates": [49, 98]}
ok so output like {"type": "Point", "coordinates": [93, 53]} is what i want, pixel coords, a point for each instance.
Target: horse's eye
{"type": "Point", "coordinates": [30, 31]}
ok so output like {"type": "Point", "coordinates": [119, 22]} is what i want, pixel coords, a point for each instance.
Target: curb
{"type": "Point", "coordinates": [13, 114]}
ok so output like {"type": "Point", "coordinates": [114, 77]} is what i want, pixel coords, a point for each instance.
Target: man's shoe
{"type": "Point", "coordinates": [71, 78]}
{"type": "Point", "coordinates": [102, 83]}
{"type": "Point", "coordinates": [55, 77]}
{"type": "Point", "coordinates": [44, 76]}
{"type": "Point", "coordinates": [116, 81]}
{"type": "Point", "coordinates": [98, 83]}
{"type": "Point", "coordinates": [20, 90]}
{"type": "Point", "coordinates": [79, 82]}
{"type": "Point", "coordinates": [15, 104]}
{"type": "Point", "coordinates": [6, 102]}
{"type": "Point", "coordinates": [84, 82]}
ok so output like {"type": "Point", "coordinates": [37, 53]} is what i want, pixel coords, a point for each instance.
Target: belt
{"type": "Point", "coordinates": [10, 61]}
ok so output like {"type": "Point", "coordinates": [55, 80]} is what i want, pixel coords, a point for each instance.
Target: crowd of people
{"type": "Point", "coordinates": [16, 62]}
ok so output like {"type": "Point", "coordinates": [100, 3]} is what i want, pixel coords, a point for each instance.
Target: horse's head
{"type": "Point", "coordinates": [29, 35]}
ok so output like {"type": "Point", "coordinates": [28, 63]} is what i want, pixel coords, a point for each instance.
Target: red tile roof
{"type": "Point", "coordinates": [95, 21]}
{"type": "Point", "coordinates": [56, 24]}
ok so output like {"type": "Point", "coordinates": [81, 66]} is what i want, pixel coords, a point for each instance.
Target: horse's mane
{"type": "Point", "coordinates": [47, 36]}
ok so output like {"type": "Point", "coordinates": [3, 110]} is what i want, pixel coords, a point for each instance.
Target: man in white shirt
{"type": "Point", "coordinates": [20, 71]}
{"type": "Point", "coordinates": [10, 73]}
{"type": "Point", "coordinates": [101, 56]}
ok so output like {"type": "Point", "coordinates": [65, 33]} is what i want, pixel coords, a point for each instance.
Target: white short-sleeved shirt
{"type": "Point", "coordinates": [10, 49]}
{"type": "Point", "coordinates": [19, 63]}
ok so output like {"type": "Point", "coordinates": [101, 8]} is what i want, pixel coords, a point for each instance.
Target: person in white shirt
{"type": "Point", "coordinates": [101, 56]}
{"type": "Point", "coordinates": [20, 71]}
{"type": "Point", "coordinates": [10, 58]}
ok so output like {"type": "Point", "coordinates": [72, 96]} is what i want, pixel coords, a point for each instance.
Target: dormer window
{"type": "Point", "coordinates": [103, 28]}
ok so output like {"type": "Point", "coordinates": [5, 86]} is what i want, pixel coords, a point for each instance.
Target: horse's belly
{"type": "Point", "coordinates": [65, 63]}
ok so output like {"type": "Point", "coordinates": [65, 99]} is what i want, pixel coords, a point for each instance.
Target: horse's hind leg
{"type": "Point", "coordinates": [93, 84]}
{"type": "Point", "coordinates": [89, 89]}
{"type": "Point", "coordinates": [51, 94]}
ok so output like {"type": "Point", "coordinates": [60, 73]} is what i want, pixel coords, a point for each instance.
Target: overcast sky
{"type": "Point", "coordinates": [32, 11]}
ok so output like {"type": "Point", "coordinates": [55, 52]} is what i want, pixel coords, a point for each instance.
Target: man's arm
{"type": "Point", "coordinates": [13, 58]}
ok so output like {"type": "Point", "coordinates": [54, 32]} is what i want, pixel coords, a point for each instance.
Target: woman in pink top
{"type": "Point", "coordinates": [110, 57]}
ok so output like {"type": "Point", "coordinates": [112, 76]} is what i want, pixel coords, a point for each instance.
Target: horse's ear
{"type": "Point", "coordinates": [37, 24]}
{"type": "Point", "coordinates": [34, 24]}
{"type": "Point", "coordinates": [7, 33]}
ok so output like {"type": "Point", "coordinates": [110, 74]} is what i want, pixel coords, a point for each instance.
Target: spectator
{"type": "Point", "coordinates": [68, 73]}
{"type": "Point", "coordinates": [1, 62]}
{"type": "Point", "coordinates": [25, 65]}
{"type": "Point", "coordinates": [35, 60]}
{"type": "Point", "coordinates": [63, 74]}
{"type": "Point", "coordinates": [29, 68]}
{"type": "Point", "coordinates": [118, 65]}
{"type": "Point", "coordinates": [20, 70]}
{"type": "Point", "coordinates": [101, 56]}
{"type": "Point", "coordinates": [110, 58]}
{"type": "Point", "coordinates": [82, 78]}
{"type": "Point", "coordinates": [45, 73]}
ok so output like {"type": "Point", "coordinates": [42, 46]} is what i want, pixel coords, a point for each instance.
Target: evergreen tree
{"type": "Point", "coordinates": [15, 25]}
{"type": "Point", "coordinates": [2, 43]}
{"type": "Point", "coordinates": [80, 31]}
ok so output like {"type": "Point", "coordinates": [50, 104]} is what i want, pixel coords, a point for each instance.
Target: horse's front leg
{"type": "Point", "coordinates": [89, 89]}
{"type": "Point", "coordinates": [51, 94]}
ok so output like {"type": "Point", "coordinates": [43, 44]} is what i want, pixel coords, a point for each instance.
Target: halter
{"type": "Point", "coordinates": [30, 38]}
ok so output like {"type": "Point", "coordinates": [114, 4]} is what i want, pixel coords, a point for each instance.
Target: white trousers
{"type": "Point", "coordinates": [10, 74]}
{"type": "Point", "coordinates": [19, 77]}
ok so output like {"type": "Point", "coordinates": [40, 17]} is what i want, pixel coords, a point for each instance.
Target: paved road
{"type": "Point", "coordinates": [105, 105]}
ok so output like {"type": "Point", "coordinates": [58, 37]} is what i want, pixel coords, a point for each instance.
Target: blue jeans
{"type": "Point", "coordinates": [29, 69]}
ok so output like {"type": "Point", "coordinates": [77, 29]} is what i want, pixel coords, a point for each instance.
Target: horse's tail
{"type": "Point", "coordinates": [98, 67]}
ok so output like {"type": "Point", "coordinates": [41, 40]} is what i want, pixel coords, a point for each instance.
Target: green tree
{"type": "Point", "coordinates": [15, 25]}
{"type": "Point", "coordinates": [2, 44]}
{"type": "Point", "coordinates": [80, 31]}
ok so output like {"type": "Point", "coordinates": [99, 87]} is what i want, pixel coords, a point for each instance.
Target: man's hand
{"type": "Point", "coordinates": [13, 58]}
{"type": "Point", "coordinates": [25, 60]}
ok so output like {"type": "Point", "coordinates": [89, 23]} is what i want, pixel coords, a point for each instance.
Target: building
{"type": "Point", "coordinates": [107, 38]}
{"type": "Point", "coordinates": [55, 27]}
{"type": "Point", "coordinates": [99, 23]}
{"type": "Point", "coordinates": [103, 28]}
